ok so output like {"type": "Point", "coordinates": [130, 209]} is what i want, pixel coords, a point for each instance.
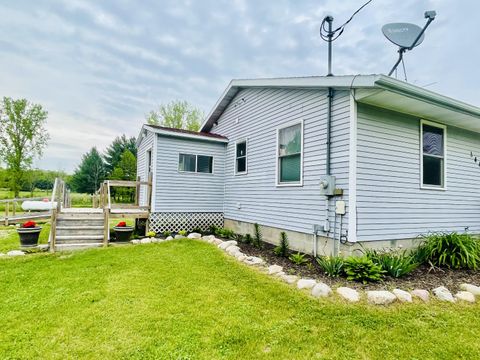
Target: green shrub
{"type": "Point", "coordinates": [331, 265]}
{"type": "Point", "coordinates": [257, 239]}
{"type": "Point", "coordinates": [197, 230]}
{"type": "Point", "coordinates": [225, 233]}
{"type": "Point", "coordinates": [167, 234]}
{"type": "Point", "coordinates": [282, 249]}
{"type": "Point", "coordinates": [182, 233]}
{"type": "Point", "coordinates": [151, 234]}
{"type": "Point", "coordinates": [248, 239]}
{"type": "Point", "coordinates": [451, 250]}
{"type": "Point", "coordinates": [212, 229]}
{"type": "Point", "coordinates": [238, 237]}
{"type": "Point", "coordinates": [362, 269]}
{"type": "Point", "coordinates": [395, 264]}
{"type": "Point", "coordinates": [298, 259]}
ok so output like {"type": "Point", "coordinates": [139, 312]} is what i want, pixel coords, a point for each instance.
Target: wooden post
{"type": "Point", "coordinates": [14, 208]}
{"type": "Point", "coordinates": [53, 230]}
{"type": "Point", "coordinates": [7, 206]}
{"type": "Point", "coordinates": [106, 226]}
{"type": "Point", "coordinates": [137, 192]}
{"type": "Point", "coordinates": [149, 190]}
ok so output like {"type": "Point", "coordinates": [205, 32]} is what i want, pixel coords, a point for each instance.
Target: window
{"type": "Point", "coordinates": [195, 163]}
{"type": "Point", "coordinates": [241, 157]}
{"type": "Point", "coordinates": [289, 152]}
{"type": "Point", "coordinates": [433, 155]}
{"type": "Point", "coordinates": [149, 162]}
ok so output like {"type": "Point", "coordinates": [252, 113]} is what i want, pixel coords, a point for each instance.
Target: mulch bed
{"type": "Point", "coordinates": [421, 278]}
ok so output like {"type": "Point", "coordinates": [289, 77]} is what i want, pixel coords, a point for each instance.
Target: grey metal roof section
{"type": "Point", "coordinates": [387, 88]}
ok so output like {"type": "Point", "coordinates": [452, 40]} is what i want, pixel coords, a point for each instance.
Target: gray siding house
{"type": "Point", "coordinates": [333, 161]}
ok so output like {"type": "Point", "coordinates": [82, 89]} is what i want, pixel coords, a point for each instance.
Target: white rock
{"type": "Point", "coordinates": [15, 253]}
{"type": "Point", "coordinates": [42, 246]}
{"type": "Point", "coordinates": [169, 238]}
{"type": "Point", "coordinates": [194, 236]}
{"type": "Point", "coordinates": [274, 269]}
{"type": "Point", "coordinates": [380, 297]}
{"type": "Point", "coordinates": [306, 283]}
{"type": "Point", "coordinates": [321, 290]}
{"type": "Point", "coordinates": [240, 254]}
{"type": "Point", "coordinates": [279, 274]}
{"type": "Point", "coordinates": [224, 245]}
{"type": "Point", "coordinates": [2, 254]}
{"type": "Point", "coordinates": [475, 290]}
{"type": "Point", "coordinates": [208, 237]}
{"type": "Point", "coordinates": [465, 296]}
{"type": "Point", "coordinates": [253, 260]}
{"type": "Point", "coordinates": [155, 240]}
{"type": "Point", "coordinates": [241, 257]}
{"type": "Point", "coordinates": [289, 279]}
{"type": "Point", "coordinates": [424, 295]}
{"type": "Point", "coordinates": [216, 241]}
{"type": "Point", "coordinates": [178, 236]}
{"type": "Point", "coordinates": [233, 250]}
{"type": "Point", "coordinates": [135, 241]}
{"type": "Point", "coordinates": [402, 295]}
{"type": "Point", "coordinates": [443, 294]}
{"type": "Point", "coordinates": [146, 241]}
{"type": "Point", "coordinates": [348, 294]}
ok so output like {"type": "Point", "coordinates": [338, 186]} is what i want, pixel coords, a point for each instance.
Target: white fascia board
{"type": "Point", "coordinates": [185, 136]}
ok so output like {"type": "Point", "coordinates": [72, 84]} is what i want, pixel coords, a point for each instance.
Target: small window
{"type": "Point", "coordinates": [195, 163]}
{"type": "Point", "coordinates": [290, 141]}
{"type": "Point", "coordinates": [204, 164]}
{"type": "Point", "coordinates": [433, 155]}
{"type": "Point", "coordinates": [187, 163]}
{"type": "Point", "coordinates": [241, 158]}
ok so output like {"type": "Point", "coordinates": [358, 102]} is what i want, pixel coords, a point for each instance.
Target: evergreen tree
{"type": "Point", "coordinates": [90, 173]}
{"type": "Point", "coordinates": [115, 150]}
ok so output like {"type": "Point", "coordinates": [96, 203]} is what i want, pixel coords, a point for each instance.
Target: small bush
{"type": "Point", "coordinates": [212, 230]}
{"type": "Point", "coordinates": [331, 265]}
{"type": "Point", "coordinates": [257, 239]}
{"type": "Point", "coordinates": [225, 233]}
{"type": "Point", "coordinates": [395, 264]}
{"type": "Point", "coordinates": [182, 233]}
{"type": "Point", "coordinates": [167, 234]}
{"type": "Point", "coordinates": [239, 238]}
{"type": "Point", "coordinates": [282, 249]}
{"type": "Point", "coordinates": [298, 258]}
{"type": "Point", "coordinates": [197, 230]}
{"type": "Point", "coordinates": [451, 250]}
{"type": "Point", "coordinates": [248, 239]}
{"type": "Point", "coordinates": [362, 269]}
{"type": "Point", "coordinates": [151, 234]}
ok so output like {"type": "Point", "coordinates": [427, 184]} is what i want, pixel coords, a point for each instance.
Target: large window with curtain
{"type": "Point", "coordinates": [195, 163]}
{"type": "Point", "coordinates": [433, 150]}
{"type": "Point", "coordinates": [289, 155]}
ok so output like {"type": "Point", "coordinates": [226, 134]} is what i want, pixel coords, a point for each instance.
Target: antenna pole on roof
{"type": "Point", "coordinates": [430, 15]}
{"type": "Point", "coordinates": [329, 20]}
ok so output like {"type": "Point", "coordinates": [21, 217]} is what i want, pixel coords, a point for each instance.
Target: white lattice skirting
{"type": "Point", "coordinates": [176, 221]}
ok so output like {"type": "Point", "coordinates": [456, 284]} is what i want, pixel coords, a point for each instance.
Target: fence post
{"type": "Point", "coordinates": [137, 192]}
{"type": "Point", "coordinates": [106, 226]}
{"type": "Point", "coordinates": [53, 230]}
{"type": "Point", "coordinates": [7, 206]}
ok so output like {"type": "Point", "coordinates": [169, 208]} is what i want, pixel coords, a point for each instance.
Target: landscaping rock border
{"type": "Point", "coordinates": [468, 292]}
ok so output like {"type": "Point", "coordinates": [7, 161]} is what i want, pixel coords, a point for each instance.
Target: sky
{"type": "Point", "coordinates": [99, 66]}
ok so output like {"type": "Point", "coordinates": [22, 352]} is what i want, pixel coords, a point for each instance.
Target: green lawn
{"type": "Point", "coordinates": [187, 300]}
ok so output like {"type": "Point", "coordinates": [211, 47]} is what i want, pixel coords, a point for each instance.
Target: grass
{"type": "Point", "coordinates": [187, 300]}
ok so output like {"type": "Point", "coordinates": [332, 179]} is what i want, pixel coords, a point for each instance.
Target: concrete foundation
{"type": "Point", "coordinates": [303, 242]}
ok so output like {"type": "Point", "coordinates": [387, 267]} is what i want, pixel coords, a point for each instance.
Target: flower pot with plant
{"type": "Point", "coordinates": [29, 233]}
{"type": "Point", "coordinates": [122, 231]}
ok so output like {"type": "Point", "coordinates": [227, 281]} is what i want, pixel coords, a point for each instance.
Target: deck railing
{"type": "Point", "coordinates": [61, 199]}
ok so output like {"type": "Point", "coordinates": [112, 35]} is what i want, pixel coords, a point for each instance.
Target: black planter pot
{"type": "Point", "coordinates": [123, 233]}
{"type": "Point", "coordinates": [29, 236]}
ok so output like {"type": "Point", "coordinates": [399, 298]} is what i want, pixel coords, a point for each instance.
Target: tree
{"type": "Point", "coordinates": [22, 137]}
{"type": "Point", "coordinates": [125, 170]}
{"type": "Point", "coordinates": [176, 114]}
{"type": "Point", "coordinates": [90, 173]}
{"type": "Point", "coordinates": [116, 149]}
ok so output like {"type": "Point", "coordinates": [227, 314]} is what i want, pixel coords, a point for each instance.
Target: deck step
{"type": "Point", "coordinates": [80, 227]}
{"type": "Point", "coordinates": [76, 246]}
{"type": "Point", "coordinates": [79, 237]}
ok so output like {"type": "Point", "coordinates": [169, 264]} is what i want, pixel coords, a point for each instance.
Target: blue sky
{"type": "Point", "coordinates": [99, 66]}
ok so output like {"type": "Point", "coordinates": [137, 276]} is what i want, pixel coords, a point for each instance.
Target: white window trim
{"type": "Point", "coordinates": [440, 126]}
{"type": "Point", "coordinates": [196, 164]}
{"type": "Point", "coordinates": [235, 157]}
{"type": "Point", "coordinates": [277, 158]}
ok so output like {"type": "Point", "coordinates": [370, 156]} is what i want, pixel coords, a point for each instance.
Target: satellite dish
{"type": "Point", "coordinates": [403, 34]}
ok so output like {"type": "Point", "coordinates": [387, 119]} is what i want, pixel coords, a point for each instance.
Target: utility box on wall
{"type": "Point", "coordinates": [327, 185]}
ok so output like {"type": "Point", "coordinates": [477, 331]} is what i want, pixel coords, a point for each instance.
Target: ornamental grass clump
{"type": "Point", "coordinates": [331, 265]}
{"type": "Point", "coordinates": [450, 250]}
{"type": "Point", "coordinates": [257, 239]}
{"type": "Point", "coordinates": [394, 263]}
{"type": "Point", "coordinates": [298, 258]}
{"type": "Point", "coordinates": [362, 269]}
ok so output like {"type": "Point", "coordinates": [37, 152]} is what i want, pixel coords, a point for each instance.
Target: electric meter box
{"type": "Point", "coordinates": [327, 185]}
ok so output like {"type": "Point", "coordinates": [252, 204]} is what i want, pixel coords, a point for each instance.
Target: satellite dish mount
{"type": "Point", "coordinates": [406, 36]}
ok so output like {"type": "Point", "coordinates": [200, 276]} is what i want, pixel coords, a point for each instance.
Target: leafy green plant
{"type": "Point", "coordinates": [362, 269]}
{"type": "Point", "coordinates": [167, 234]}
{"type": "Point", "coordinates": [151, 234]}
{"type": "Point", "coordinates": [197, 230]}
{"type": "Point", "coordinates": [248, 239]}
{"type": "Point", "coordinates": [331, 265]}
{"type": "Point", "coordinates": [298, 258]}
{"type": "Point", "coordinates": [212, 229]}
{"type": "Point", "coordinates": [257, 239]}
{"type": "Point", "coordinates": [225, 233]}
{"type": "Point", "coordinates": [451, 250]}
{"type": "Point", "coordinates": [395, 264]}
{"type": "Point", "coordinates": [182, 233]}
{"type": "Point", "coordinates": [282, 249]}
{"type": "Point", "coordinates": [238, 237]}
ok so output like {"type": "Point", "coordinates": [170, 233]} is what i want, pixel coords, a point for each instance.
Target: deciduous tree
{"type": "Point", "coordinates": [176, 114]}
